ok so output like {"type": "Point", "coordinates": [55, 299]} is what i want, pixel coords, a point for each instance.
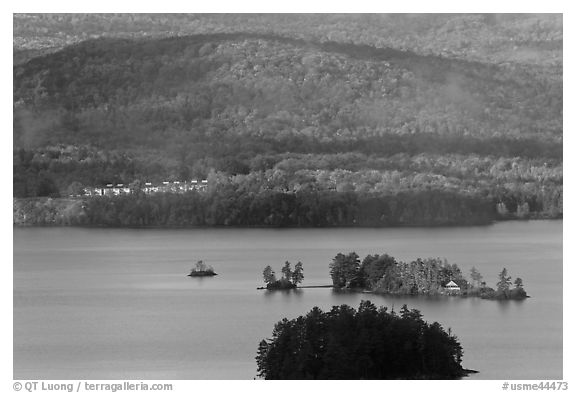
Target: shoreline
{"type": "Point", "coordinates": [118, 212]}
{"type": "Point", "coordinates": [290, 289]}
{"type": "Point", "coordinates": [144, 227]}
{"type": "Point", "coordinates": [393, 295]}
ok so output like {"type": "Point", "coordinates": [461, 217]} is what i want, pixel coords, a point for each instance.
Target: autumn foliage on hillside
{"type": "Point", "coordinates": [270, 112]}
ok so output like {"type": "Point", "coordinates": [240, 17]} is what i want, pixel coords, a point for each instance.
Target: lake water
{"type": "Point", "coordinates": [117, 304]}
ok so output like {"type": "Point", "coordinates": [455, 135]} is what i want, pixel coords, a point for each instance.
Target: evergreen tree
{"type": "Point", "coordinates": [297, 274]}
{"type": "Point", "coordinates": [504, 282]}
{"type": "Point", "coordinates": [286, 271]}
{"type": "Point", "coordinates": [269, 275]}
{"type": "Point", "coordinates": [518, 292]}
{"type": "Point", "coordinates": [374, 268]}
{"type": "Point", "coordinates": [344, 270]}
{"type": "Point", "coordinates": [476, 276]}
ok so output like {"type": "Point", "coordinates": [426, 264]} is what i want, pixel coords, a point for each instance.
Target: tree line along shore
{"type": "Point", "coordinates": [225, 207]}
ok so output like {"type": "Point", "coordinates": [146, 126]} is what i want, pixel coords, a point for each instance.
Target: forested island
{"type": "Point", "coordinates": [367, 343]}
{"type": "Point", "coordinates": [289, 279]}
{"type": "Point", "coordinates": [423, 277]}
{"type": "Point", "coordinates": [297, 121]}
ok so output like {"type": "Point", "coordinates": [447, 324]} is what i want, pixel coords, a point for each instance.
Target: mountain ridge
{"type": "Point", "coordinates": [521, 38]}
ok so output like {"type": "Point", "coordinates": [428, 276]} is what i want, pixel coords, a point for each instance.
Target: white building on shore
{"type": "Point", "coordinates": [148, 188]}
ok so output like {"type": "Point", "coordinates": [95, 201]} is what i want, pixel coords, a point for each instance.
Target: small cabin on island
{"type": "Point", "coordinates": [452, 286]}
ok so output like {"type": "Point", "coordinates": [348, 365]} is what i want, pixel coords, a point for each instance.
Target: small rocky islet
{"type": "Point", "coordinates": [202, 270]}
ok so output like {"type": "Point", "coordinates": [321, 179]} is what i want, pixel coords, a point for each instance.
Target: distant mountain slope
{"type": "Point", "coordinates": [534, 39]}
{"type": "Point", "coordinates": [137, 91]}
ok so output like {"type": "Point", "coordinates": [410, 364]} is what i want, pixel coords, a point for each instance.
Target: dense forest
{"type": "Point", "coordinates": [292, 124]}
{"type": "Point", "coordinates": [367, 343]}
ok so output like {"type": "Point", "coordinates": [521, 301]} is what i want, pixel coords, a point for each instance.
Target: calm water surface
{"type": "Point", "coordinates": [117, 304]}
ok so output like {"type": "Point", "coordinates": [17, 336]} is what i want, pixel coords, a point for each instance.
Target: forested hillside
{"type": "Point", "coordinates": [270, 115]}
{"type": "Point", "coordinates": [532, 39]}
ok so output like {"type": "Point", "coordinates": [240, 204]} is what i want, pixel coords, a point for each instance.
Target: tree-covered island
{"type": "Point", "coordinates": [202, 270]}
{"type": "Point", "coordinates": [369, 343]}
{"type": "Point", "coordinates": [289, 279]}
{"type": "Point", "coordinates": [429, 277]}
